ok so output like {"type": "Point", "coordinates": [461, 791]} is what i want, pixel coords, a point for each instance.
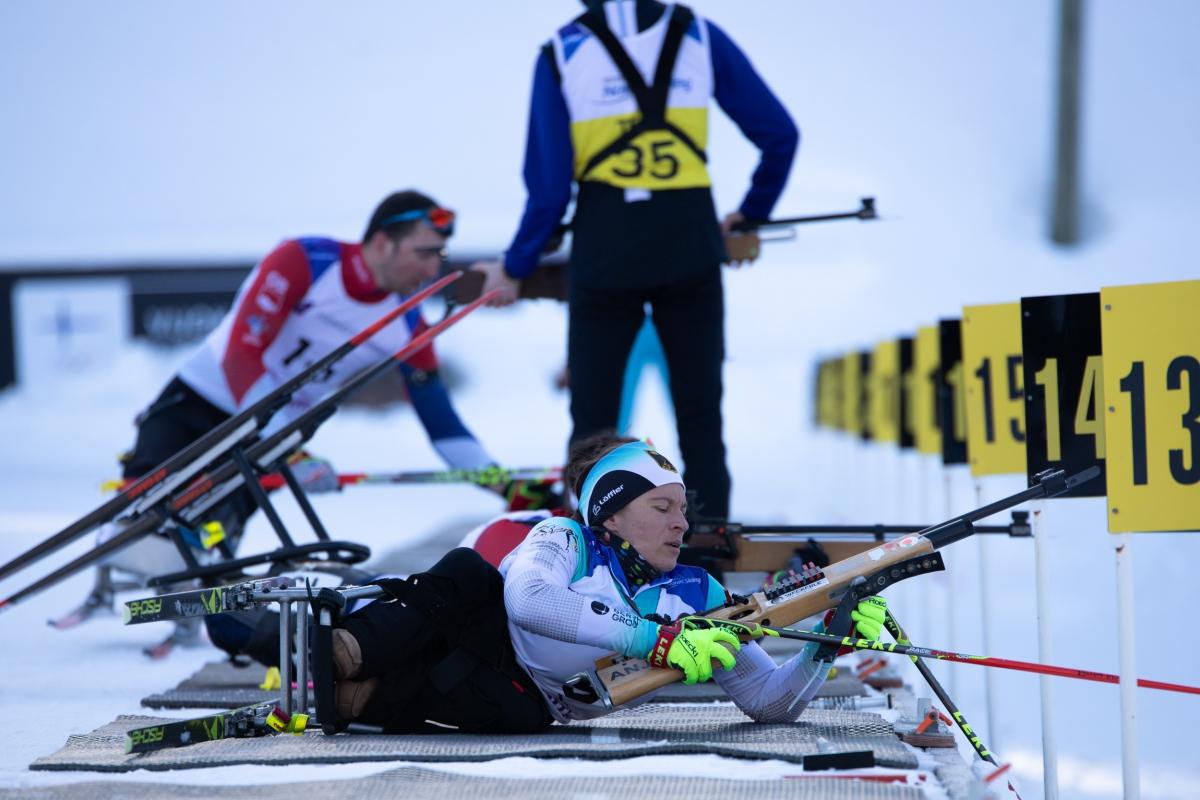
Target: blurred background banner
{"type": "Point", "coordinates": [65, 326]}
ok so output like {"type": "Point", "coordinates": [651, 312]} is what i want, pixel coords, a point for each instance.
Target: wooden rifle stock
{"type": "Point", "coordinates": [547, 282]}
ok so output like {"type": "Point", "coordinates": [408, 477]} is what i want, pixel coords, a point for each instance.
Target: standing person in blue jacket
{"type": "Point", "coordinates": [620, 108]}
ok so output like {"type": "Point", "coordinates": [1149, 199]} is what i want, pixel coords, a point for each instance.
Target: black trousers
{"type": "Point", "coordinates": [444, 656]}
{"type": "Point", "coordinates": [690, 318]}
{"type": "Point", "coordinates": [176, 418]}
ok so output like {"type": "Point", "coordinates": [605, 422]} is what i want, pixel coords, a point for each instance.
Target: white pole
{"type": "Point", "coordinates": [1049, 746]}
{"type": "Point", "coordinates": [285, 654]}
{"type": "Point", "coordinates": [985, 597]}
{"type": "Point", "coordinates": [857, 485]}
{"type": "Point", "coordinates": [887, 483]}
{"type": "Point", "coordinates": [1128, 672]}
{"type": "Point", "coordinates": [951, 595]}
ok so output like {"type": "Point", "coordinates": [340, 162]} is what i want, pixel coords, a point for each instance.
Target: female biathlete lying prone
{"type": "Point", "coordinates": [465, 646]}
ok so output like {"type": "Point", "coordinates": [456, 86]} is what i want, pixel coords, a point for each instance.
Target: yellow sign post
{"type": "Point", "coordinates": [923, 420]}
{"type": "Point", "coordinates": [1151, 352]}
{"type": "Point", "coordinates": [991, 340]}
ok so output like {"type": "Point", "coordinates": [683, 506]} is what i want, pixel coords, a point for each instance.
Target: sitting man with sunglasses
{"type": "Point", "coordinates": [304, 299]}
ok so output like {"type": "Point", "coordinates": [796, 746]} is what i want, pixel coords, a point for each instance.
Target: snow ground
{"type": "Point", "coordinates": [70, 698]}
{"type": "Point", "coordinates": [944, 113]}
{"type": "Point", "coordinates": [67, 697]}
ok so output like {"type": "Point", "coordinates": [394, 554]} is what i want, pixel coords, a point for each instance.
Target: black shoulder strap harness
{"type": "Point", "coordinates": [651, 100]}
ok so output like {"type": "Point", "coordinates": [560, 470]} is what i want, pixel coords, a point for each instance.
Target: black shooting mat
{"type": "Point", "coordinates": [220, 684]}
{"type": "Point", "coordinates": [415, 783]}
{"type": "Point", "coordinates": [650, 729]}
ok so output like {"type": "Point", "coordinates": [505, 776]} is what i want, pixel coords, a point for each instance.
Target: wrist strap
{"type": "Point", "coordinates": [662, 646]}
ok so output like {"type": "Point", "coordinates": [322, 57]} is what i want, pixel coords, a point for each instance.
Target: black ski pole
{"type": "Point", "coordinates": [144, 525]}
{"type": "Point", "coordinates": [207, 489]}
{"type": "Point", "coordinates": [979, 661]}
{"type": "Point", "coordinates": [897, 632]}
{"type": "Point", "coordinates": [180, 467]}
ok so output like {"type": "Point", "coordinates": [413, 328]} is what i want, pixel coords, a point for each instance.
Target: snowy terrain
{"type": "Point", "coordinates": [143, 131]}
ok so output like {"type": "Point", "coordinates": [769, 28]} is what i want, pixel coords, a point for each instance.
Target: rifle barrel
{"type": "Point", "coordinates": [776, 533]}
{"type": "Point", "coordinates": [865, 211]}
{"type": "Point", "coordinates": [1049, 484]}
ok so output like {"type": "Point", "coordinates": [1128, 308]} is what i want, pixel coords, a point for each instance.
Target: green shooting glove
{"type": "Point", "coordinates": [869, 616]}
{"type": "Point", "coordinates": [691, 643]}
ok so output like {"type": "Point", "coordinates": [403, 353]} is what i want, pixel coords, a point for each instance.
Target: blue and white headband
{"type": "Point", "coordinates": [620, 477]}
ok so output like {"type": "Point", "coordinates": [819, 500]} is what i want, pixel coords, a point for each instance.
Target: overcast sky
{"type": "Point", "coordinates": [136, 129]}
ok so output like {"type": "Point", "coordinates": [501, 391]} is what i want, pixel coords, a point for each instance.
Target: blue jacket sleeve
{"type": "Point", "coordinates": [548, 169]}
{"type": "Point", "coordinates": [449, 436]}
{"type": "Point", "coordinates": [757, 112]}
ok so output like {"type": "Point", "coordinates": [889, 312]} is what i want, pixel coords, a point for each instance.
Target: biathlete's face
{"type": "Point", "coordinates": [654, 524]}
{"type": "Point", "coordinates": [412, 261]}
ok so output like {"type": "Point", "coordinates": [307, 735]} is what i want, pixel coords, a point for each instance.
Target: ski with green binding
{"type": "Point", "coordinates": [263, 719]}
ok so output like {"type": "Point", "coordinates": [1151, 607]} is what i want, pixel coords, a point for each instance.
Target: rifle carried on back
{"type": "Point", "coordinates": [549, 280]}
{"type": "Point", "coordinates": [743, 242]}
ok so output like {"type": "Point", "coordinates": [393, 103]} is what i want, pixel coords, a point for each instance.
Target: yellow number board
{"type": "Point", "coordinates": [885, 392]}
{"type": "Point", "coordinates": [851, 395]}
{"type": "Point", "coordinates": [1151, 351]}
{"type": "Point", "coordinates": [829, 411]}
{"type": "Point", "coordinates": [923, 419]}
{"type": "Point", "coordinates": [822, 413]}
{"type": "Point", "coordinates": [991, 340]}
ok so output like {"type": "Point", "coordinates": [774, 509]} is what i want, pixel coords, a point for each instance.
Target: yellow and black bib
{"type": "Point", "coordinates": [628, 133]}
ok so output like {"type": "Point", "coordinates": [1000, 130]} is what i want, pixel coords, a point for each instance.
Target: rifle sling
{"type": "Point", "coordinates": [651, 100]}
